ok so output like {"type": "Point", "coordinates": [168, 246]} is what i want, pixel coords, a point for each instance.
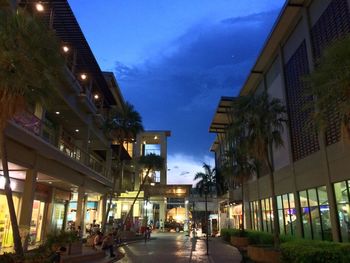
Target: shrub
{"type": "Point", "coordinates": [307, 251]}
{"type": "Point", "coordinates": [260, 238]}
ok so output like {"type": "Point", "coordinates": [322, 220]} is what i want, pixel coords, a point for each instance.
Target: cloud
{"type": "Point", "coordinates": [179, 88]}
{"type": "Point", "coordinates": [187, 167]}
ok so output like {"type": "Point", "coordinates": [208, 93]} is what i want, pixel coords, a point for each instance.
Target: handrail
{"type": "Point", "coordinates": [33, 124]}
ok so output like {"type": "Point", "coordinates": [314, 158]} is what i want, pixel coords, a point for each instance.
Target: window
{"type": "Point", "coordinates": [315, 213]}
{"type": "Point", "coordinates": [267, 214]}
{"type": "Point", "coordinates": [255, 215]}
{"type": "Point", "coordinates": [286, 214]}
{"type": "Point", "coordinates": [342, 197]}
{"type": "Point", "coordinates": [151, 148]}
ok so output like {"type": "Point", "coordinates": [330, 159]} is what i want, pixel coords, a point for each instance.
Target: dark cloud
{"type": "Point", "coordinates": [180, 88]}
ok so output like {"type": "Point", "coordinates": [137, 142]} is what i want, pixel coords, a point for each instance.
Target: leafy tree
{"type": "Point", "coordinates": [330, 84]}
{"type": "Point", "coordinates": [123, 125]}
{"type": "Point", "coordinates": [265, 119]}
{"type": "Point", "coordinates": [207, 180]}
{"type": "Point", "coordinates": [31, 70]}
{"type": "Point", "coordinates": [149, 162]}
{"type": "Point", "coordinates": [240, 164]}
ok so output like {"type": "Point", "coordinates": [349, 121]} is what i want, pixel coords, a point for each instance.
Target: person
{"type": "Point", "coordinates": [108, 244]}
{"type": "Point", "coordinates": [56, 258]}
{"type": "Point", "coordinates": [161, 225]}
{"type": "Point", "coordinates": [98, 239]}
{"type": "Point", "coordinates": [79, 232]}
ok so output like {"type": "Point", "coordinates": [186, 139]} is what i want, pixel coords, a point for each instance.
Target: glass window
{"type": "Point", "coordinates": [315, 213]}
{"type": "Point", "coordinates": [341, 190]}
{"type": "Point", "coordinates": [286, 214]}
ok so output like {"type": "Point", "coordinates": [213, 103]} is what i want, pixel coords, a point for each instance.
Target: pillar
{"type": "Point", "coordinates": [187, 216]}
{"type": "Point", "coordinates": [162, 213]}
{"type": "Point", "coordinates": [102, 204]}
{"type": "Point", "coordinates": [27, 202]}
{"type": "Point", "coordinates": [80, 207]}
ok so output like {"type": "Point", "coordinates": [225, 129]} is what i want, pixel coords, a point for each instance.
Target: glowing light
{"type": "Point", "coordinates": [83, 76]}
{"type": "Point", "coordinates": [156, 137]}
{"type": "Point", "coordinates": [39, 7]}
{"type": "Point", "coordinates": [65, 49]}
{"type": "Point", "coordinates": [96, 97]}
{"type": "Point", "coordinates": [57, 113]}
{"type": "Point", "coordinates": [76, 130]}
{"type": "Point", "coordinates": [125, 207]}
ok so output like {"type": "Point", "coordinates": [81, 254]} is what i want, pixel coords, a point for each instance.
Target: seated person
{"type": "Point", "coordinates": [108, 244]}
{"type": "Point", "coordinates": [98, 239]}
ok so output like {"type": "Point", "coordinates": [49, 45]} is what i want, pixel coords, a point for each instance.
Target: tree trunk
{"type": "Point", "coordinates": [104, 223]}
{"type": "Point", "coordinates": [206, 220]}
{"type": "Point", "coordinates": [276, 230]}
{"type": "Point", "coordinates": [136, 197]}
{"type": "Point", "coordinates": [243, 215]}
{"type": "Point", "coordinates": [8, 192]}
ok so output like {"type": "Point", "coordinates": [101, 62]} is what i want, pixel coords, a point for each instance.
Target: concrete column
{"type": "Point", "coordinates": [322, 143]}
{"type": "Point", "coordinates": [27, 203]}
{"type": "Point", "coordinates": [187, 216]}
{"type": "Point", "coordinates": [108, 165]}
{"type": "Point", "coordinates": [299, 231]}
{"type": "Point", "coordinates": [80, 207]}
{"type": "Point", "coordinates": [163, 153]}
{"type": "Point", "coordinates": [49, 212]}
{"type": "Point", "coordinates": [162, 212]}
{"type": "Point", "coordinates": [102, 204]}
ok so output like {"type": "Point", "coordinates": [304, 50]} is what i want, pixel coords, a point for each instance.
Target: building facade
{"type": "Point", "coordinates": [312, 171]}
{"type": "Point", "coordinates": [60, 160]}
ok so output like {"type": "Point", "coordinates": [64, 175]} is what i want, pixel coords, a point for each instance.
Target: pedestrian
{"type": "Point", "coordinates": [98, 239]}
{"type": "Point", "coordinates": [108, 244]}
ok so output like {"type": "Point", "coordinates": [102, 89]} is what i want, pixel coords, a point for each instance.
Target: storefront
{"type": "Point", "coordinates": [61, 200]}
{"type": "Point", "coordinates": [342, 195]}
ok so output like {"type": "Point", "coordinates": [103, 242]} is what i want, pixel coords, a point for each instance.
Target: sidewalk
{"type": "Point", "coordinates": [219, 251]}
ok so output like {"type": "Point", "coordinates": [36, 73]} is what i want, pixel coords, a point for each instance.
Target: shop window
{"type": "Point", "coordinates": [286, 214]}
{"type": "Point", "coordinates": [315, 213]}
{"type": "Point", "coordinates": [267, 214]}
{"type": "Point", "coordinates": [255, 215]}
{"type": "Point", "coordinates": [342, 197]}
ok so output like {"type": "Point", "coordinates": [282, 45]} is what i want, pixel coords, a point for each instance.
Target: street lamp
{"type": "Point", "coordinates": [206, 186]}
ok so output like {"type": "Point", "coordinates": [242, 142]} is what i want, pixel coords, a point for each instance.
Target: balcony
{"type": "Point", "coordinates": [34, 125]}
{"type": "Point", "coordinates": [86, 102]}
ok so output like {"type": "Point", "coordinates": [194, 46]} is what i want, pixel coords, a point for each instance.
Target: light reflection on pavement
{"type": "Point", "coordinates": [177, 247]}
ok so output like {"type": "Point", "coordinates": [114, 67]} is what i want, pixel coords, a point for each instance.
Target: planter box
{"type": "Point", "coordinates": [75, 248]}
{"type": "Point", "coordinates": [239, 242]}
{"type": "Point", "coordinates": [264, 254]}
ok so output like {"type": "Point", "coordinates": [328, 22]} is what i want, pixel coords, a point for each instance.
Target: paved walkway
{"type": "Point", "coordinates": [178, 248]}
{"type": "Point", "coordinates": [219, 251]}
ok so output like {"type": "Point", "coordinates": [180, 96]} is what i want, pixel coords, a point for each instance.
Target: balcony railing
{"type": "Point", "coordinates": [33, 124]}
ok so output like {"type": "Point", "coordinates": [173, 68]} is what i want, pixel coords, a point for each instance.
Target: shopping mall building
{"type": "Point", "coordinates": [61, 162]}
{"type": "Point", "coordinates": [312, 172]}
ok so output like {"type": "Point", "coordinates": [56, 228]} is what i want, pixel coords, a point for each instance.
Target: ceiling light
{"type": "Point", "coordinates": [76, 130]}
{"type": "Point", "coordinates": [83, 76]}
{"type": "Point", "coordinates": [39, 7]}
{"type": "Point", "coordinates": [156, 137]}
{"type": "Point", "coordinates": [144, 142]}
{"type": "Point", "coordinates": [50, 182]}
{"type": "Point", "coordinates": [96, 97]}
{"type": "Point", "coordinates": [153, 184]}
{"type": "Point", "coordinates": [65, 49]}
{"type": "Point", "coordinates": [57, 113]}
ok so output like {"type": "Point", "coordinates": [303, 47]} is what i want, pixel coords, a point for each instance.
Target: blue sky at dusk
{"type": "Point", "coordinates": [174, 60]}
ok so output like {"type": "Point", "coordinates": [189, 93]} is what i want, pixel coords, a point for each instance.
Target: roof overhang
{"type": "Point", "coordinates": [221, 119]}
{"type": "Point", "coordinates": [284, 23]}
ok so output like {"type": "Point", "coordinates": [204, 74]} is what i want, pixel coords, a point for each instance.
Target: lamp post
{"type": "Point", "coordinates": [206, 213]}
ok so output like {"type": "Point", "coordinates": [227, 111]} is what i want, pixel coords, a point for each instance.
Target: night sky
{"type": "Point", "coordinates": [174, 59]}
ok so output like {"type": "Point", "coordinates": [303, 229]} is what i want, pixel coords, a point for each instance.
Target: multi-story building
{"type": "Point", "coordinates": [60, 160]}
{"type": "Point", "coordinates": [311, 171]}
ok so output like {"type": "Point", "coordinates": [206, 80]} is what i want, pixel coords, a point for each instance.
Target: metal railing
{"type": "Point", "coordinates": [33, 124]}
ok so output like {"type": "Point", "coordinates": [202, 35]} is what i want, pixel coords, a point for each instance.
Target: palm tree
{"type": "Point", "coordinates": [149, 162]}
{"type": "Point", "coordinates": [206, 185]}
{"type": "Point", "coordinates": [31, 70]}
{"type": "Point", "coordinates": [330, 84]}
{"type": "Point", "coordinates": [123, 125]}
{"type": "Point", "coordinates": [265, 119]}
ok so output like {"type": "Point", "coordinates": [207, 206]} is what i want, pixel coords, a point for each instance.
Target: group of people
{"type": "Point", "coordinates": [104, 242]}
